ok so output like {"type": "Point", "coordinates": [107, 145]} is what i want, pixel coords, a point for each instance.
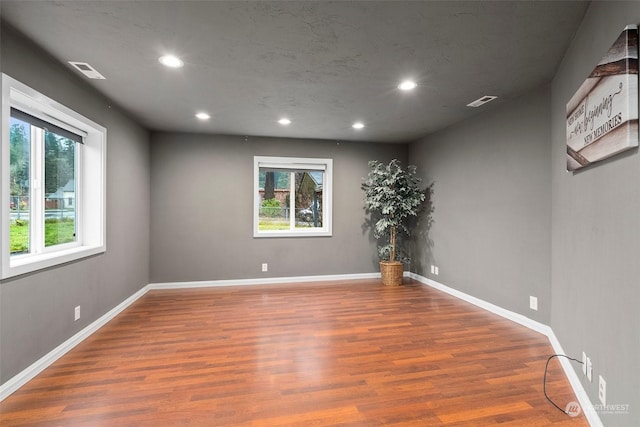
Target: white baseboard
{"type": "Point", "coordinates": [41, 364]}
{"type": "Point", "coordinates": [30, 372]}
{"type": "Point", "coordinates": [574, 381]}
{"type": "Point", "coordinates": [262, 281]}
{"type": "Point", "coordinates": [45, 361]}
{"type": "Point", "coordinates": [515, 317]}
{"type": "Point", "coordinates": [583, 399]}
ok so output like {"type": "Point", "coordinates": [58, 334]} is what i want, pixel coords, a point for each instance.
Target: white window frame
{"type": "Point", "coordinates": [90, 181]}
{"type": "Point", "coordinates": [295, 163]}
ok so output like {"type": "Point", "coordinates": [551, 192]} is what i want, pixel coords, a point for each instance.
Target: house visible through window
{"type": "Point", "coordinates": [293, 197]}
{"type": "Point", "coordinates": [42, 173]}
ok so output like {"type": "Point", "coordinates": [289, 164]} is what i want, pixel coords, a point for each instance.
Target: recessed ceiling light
{"type": "Point", "coordinates": [358, 125]}
{"type": "Point", "coordinates": [203, 116]}
{"type": "Point", "coordinates": [407, 85]}
{"type": "Point", "coordinates": [171, 61]}
{"type": "Point", "coordinates": [284, 121]}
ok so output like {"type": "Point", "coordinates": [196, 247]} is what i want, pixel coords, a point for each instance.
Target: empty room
{"type": "Point", "coordinates": [319, 213]}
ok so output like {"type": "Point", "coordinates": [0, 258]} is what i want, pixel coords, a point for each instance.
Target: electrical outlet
{"type": "Point", "coordinates": [602, 390]}
{"type": "Point", "coordinates": [533, 303]}
{"type": "Point", "coordinates": [589, 370]}
{"type": "Point", "coordinates": [265, 267]}
{"type": "Point", "coordinates": [584, 363]}
{"type": "Point", "coordinates": [76, 313]}
{"type": "Point", "coordinates": [436, 271]}
{"type": "Point", "coordinates": [433, 269]}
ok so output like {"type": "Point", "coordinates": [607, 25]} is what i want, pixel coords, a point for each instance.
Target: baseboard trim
{"type": "Point", "coordinates": [262, 281]}
{"type": "Point", "coordinates": [583, 399]}
{"type": "Point", "coordinates": [40, 365]}
{"type": "Point", "coordinates": [30, 372]}
{"type": "Point", "coordinates": [45, 361]}
{"type": "Point", "coordinates": [507, 314]}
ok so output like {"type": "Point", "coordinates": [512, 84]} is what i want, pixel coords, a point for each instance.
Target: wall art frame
{"type": "Point", "coordinates": [602, 116]}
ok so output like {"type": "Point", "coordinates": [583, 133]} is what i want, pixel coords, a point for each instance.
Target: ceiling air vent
{"type": "Point", "coordinates": [87, 70]}
{"type": "Point", "coordinates": [481, 101]}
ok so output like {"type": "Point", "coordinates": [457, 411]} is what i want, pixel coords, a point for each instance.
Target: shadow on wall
{"type": "Point", "coordinates": [367, 229]}
{"type": "Point", "coordinates": [418, 246]}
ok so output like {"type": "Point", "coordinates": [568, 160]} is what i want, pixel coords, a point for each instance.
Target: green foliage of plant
{"type": "Point", "coordinates": [392, 197]}
{"type": "Point", "coordinates": [59, 159]}
{"type": "Point", "coordinates": [271, 208]}
{"type": "Point", "coordinates": [18, 159]}
{"type": "Point", "coordinates": [281, 179]}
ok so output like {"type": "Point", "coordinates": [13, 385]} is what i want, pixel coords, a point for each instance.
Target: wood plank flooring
{"type": "Point", "coordinates": [351, 353]}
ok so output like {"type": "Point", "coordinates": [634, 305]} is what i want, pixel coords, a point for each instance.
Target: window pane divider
{"type": "Point", "coordinates": [292, 200]}
{"type": "Point", "coordinates": [36, 198]}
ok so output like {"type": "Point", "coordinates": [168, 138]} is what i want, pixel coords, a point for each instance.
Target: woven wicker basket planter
{"type": "Point", "coordinates": [391, 273]}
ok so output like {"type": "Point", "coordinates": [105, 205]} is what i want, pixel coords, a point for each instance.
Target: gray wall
{"type": "Point", "coordinates": [490, 235]}
{"type": "Point", "coordinates": [509, 222]}
{"type": "Point", "coordinates": [36, 310]}
{"type": "Point", "coordinates": [596, 233]}
{"type": "Point", "coordinates": [202, 205]}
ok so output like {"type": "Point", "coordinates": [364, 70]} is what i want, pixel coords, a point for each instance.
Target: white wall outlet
{"type": "Point", "coordinates": [533, 303]}
{"type": "Point", "coordinates": [76, 313]}
{"type": "Point", "coordinates": [589, 370]}
{"type": "Point", "coordinates": [433, 269]}
{"type": "Point", "coordinates": [436, 271]}
{"type": "Point", "coordinates": [584, 363]}
{"type": "Point", "coordinates": [265, 267]}
{"type": "Point", "coordinates": [602, 390]}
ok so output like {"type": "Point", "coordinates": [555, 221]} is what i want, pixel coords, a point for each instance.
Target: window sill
{"type": "Point", "coordinates": [33, 263]}
{"type": "Point", "coordinates": [287, 233]}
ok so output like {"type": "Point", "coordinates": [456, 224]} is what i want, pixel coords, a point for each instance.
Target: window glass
{"type": "Point", "coordinates": [60, 189]}
{"type": "Point", "coordinates": [275, 200]}
{"type": "Point", "coordinates": [39, 156]}
{"type": "Point", "coordinates": [308, 199]}
{"type": "Point", "coordinates": [19, 186]}
{"type": "Point", "coordinates": [293, 197]}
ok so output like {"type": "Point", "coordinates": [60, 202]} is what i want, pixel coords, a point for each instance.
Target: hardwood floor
{"type": "Point", "coordinates": [352, 353]}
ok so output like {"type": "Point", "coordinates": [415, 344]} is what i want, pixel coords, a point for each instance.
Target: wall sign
{"type": "Point", "coordinates": [602, 116]}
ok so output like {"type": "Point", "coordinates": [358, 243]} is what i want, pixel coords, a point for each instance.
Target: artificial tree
{"type": "Point", "coordinates": [392, 197]}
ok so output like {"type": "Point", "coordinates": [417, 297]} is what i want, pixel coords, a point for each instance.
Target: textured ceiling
{"type": "Point", "coordinates": [322, 64]}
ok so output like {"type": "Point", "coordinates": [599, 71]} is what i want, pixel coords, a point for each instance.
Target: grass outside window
{"type": "Point", "coordinates": [56, 232]}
